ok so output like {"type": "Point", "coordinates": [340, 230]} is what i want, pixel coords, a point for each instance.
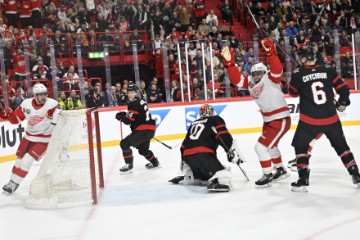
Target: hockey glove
{"type": "Point", "coordinates": [6, 113]}
{"type": "Point", "coordinates": [120, 116]}
{"type": "Point", "coordinates": [269, 46]}
{"type": "Point", "coordinates": [340, 106]}
{"type": "Point", "coordinates": [228, 56]}
{"type": "Point", "coordinates": [231, 155]}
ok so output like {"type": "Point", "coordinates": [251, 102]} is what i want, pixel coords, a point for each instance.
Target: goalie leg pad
{"type": "Point", "coordinates": [223, 177]}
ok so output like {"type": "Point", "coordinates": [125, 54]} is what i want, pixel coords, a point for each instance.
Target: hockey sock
{"type": "Point", "coordinates": [348, 159]}
{"type": "Point", "coordinates": [150, 156]}
{"type": "Point", "coordinates": [266, 166]}
{"type": "Point", "coordinates": [21, 168]}
{"type": "Point", "coordinates": [302, 160]}
{"type": "Point", "coordinates": [277, 162]}
{"type": "Point", "coordinates": [128, 156]}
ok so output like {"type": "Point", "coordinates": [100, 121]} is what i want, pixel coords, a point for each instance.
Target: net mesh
{"type": "Point", "coordinates": [64, 179]}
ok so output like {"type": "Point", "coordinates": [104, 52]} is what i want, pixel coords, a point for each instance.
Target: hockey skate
{"type": "Point", "coordinates": [265, 181]}
{"type": "Point", "coordinates": [292, 165]}
{"type": "Point", "coordinates": [354, 172]}
{"type": "Point", "coordinates": [153, 164]}
{"type": "Point", "coordinates": [126, 169]}
{"type": "Point", "coordinates": [280, 173]}
{"type": "Point", "coordinates": [303, 182]}
{"type": "Point", "coordinates": [177, 179]}
{"type": "Point", "coordinates": [10, 187]}
{"type": "Point", "coordinates": [214, 186]}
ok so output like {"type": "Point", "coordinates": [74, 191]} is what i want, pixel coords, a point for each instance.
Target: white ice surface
{"type": "Point", "coordinates": [144, 205]}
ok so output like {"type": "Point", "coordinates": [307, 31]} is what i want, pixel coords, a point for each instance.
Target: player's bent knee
{"type": "Point", "coordinates": [124, 144]}
{"type": "Point", "coordinates": [262, 151]}
{"type": "Point", "coordinates": [26, 162]}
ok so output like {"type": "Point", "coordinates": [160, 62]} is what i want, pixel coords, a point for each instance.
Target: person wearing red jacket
{"type": "Point", "coordinates": [25, 13]}
{"type": "Point", "coordinates": [11, 12]}
{"type": "Point", "coordinates": [36, 13]}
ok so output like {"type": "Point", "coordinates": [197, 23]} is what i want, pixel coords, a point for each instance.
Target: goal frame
{"type": "Point", "coordinates": [96, 125]}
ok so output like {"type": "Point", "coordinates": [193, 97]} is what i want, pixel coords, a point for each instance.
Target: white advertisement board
{"type": "Point", "coordinates": [172, 120]}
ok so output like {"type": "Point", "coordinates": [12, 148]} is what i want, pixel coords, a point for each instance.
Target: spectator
{"type": "Point", "coordinates": [95, 99]}
{"type": "Point", "coordinates": [143, 91]}
{"type": "Point", "coordinates": [62, 100]}
{"type": "Point", "coordinates": [211, 19]}
{"type": "Point", "coordinates": [73, 101]}
{"type": "Point", "coordinates": [153, 96]}
{"type": "Point", "coordinates": [347, 66]}
{"type": "Point", "coordinates": [248, 66]}
{"type": "Point", "coordinates": [14, 99]}
{"type": "Point", "coordinates": [291, 30]}
{"type": "Point", "coordinates": [226, 11]}
{"type": "Point", "coordinates": [39, 70]}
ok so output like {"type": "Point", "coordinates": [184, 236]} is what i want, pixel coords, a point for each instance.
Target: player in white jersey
{"type": "Point", "coordinates": [42, 114]}
{"type": "Point", "coordinates": [264, 87]}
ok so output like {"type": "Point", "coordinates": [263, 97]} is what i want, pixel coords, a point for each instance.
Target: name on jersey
{"type": "Point", "coordinates": [314, 76]}
{"type": "Point", "coordinates": [200, 121]}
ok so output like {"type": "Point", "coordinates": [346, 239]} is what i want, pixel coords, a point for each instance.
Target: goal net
{"type": "Point", "coordinates": [71, 170]}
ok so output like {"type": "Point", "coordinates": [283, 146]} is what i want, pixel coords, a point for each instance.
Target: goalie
{"type": "Point", "coordinates": [198, 152]}
{"type": "Point", "coordinates": [42, 114]}
{"type": "Point", "coordinates": [264, 87]}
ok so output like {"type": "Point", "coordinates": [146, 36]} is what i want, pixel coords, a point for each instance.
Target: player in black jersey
{"type": "Point", "coordinates": [143, 130]}
{"type": "Point", "coordinates": [314, 84]}
{"type": "Point", "coordinates": [198, 152]}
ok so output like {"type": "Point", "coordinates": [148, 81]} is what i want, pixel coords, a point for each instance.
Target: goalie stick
{"type": "Point", "coordinates": [237, 152]}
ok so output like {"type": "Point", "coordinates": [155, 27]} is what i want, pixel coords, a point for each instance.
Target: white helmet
{"type": "Point", "coordinates": [39, 88]}
{"type": "Point", "coordinates": [259, 67]}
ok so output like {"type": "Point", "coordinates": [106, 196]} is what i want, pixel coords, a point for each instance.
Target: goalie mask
{"type": "Point", "coordinates": [257, 71]}
{"type": "Point", "coordinates": [206, 111]}
{"type": "Point", "coordinates": [40, 93]}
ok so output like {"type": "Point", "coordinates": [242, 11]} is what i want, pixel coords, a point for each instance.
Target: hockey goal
{"type": "Point", "coordinates": [71, 170]}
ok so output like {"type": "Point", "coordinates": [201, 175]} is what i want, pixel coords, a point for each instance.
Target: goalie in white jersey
{"type": "Point", "coordinates": [42, 114]}
{"type": "Point", "coordinates": [264, 87]}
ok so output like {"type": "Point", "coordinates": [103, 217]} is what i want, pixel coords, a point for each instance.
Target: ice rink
{"type": "Point", "coordinates": [144, 205]}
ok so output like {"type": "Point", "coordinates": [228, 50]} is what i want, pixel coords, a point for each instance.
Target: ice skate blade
{"type": "Point", "coordinates": [153, 167]}
{"type": "Point", "coordinates": [127, 172]}
{"type": "Point", "coordinates": [282, 177]}
{"type": "Point", "coordinates": [263, 186]}
{"type": "Point", "coordinates": [218, 190]}
{"type": "Point", "coordinates": [299, 189]}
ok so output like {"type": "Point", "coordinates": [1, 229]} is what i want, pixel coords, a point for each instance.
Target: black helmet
{"type": "Point", "coordinates": [308, 51]}
{"type": "Point", "coordinates": [132, 87]}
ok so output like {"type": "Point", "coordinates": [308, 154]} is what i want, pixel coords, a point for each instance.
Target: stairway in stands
{"type": "Point", "coordinates": [240, 31]}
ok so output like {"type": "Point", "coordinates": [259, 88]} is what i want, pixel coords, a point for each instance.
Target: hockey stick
{"type": "Point", "coordinates": [237, 151]}
{"type": "Point", "coordinates": [267, 34]}
{"type": "Point", "coordinates": [164, 144]}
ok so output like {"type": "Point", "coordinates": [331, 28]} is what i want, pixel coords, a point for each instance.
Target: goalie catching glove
{"type": "Point", "coordinates": [120, 116]}
{"type": "Point", "coordinates": [269, 47]}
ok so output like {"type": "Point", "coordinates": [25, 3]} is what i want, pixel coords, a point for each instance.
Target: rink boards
{"type": "Point", "coordinates": [242, 115]}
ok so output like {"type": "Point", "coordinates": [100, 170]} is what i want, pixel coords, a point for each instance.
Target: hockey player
{"type": "Point", "coordinates": [264, 87]}
{"type": "Point", "coordinates": [314, 85]}
{"type": "Point", "coordinates": [42, 114]}
{"type": "Point", "coordinates": [198, 152]}
{"type": "Point", "coordinates": [143, 130]}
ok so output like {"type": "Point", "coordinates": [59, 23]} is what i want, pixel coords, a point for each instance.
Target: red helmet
{"type": "Point", "coordinates": [206, 110]}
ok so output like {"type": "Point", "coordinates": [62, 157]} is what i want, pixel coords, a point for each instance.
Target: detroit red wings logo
{"type": "Point", "coordinates": [35, 120]}
{"type": "Point", "coordinates": [257, 90]}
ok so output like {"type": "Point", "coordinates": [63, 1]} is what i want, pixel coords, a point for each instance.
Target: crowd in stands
{"type": "Point", "coordinates": [37, 23]}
